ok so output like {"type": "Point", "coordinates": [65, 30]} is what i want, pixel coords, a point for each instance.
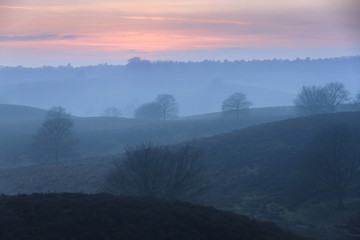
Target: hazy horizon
{"type": "Point", "coordinates": [125, 62]}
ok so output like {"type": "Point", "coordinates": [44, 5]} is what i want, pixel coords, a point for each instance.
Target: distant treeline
{"type": "Point", "coordinates": [257, 67]}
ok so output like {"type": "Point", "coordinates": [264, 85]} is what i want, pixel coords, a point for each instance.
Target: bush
{"type": "Point", "coordinates": [154, 171]}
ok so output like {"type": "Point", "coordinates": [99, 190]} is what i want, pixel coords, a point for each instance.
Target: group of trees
{"type": "Point", "coordinates": [321, 99]}
{"type": "Point", "coordinates": [163, 107]}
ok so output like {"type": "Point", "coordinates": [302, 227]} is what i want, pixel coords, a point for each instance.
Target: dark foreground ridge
{"type": "Point", "coordinates": [103, 216]}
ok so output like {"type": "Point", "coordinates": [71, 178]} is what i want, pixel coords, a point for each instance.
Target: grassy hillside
{"type": "Point", "coordinates": [79, 216]}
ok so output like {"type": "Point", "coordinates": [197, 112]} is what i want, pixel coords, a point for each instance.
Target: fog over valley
{"type": "Point", "coordinates": [198, 87]}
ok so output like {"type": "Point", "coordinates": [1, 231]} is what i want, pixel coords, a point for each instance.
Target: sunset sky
{"type": "Point", "coordinates": [82, 32]}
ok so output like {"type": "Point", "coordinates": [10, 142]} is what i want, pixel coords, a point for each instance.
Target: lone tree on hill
{"type": "Point", "coordinates": [332, 160]}
{"type": "Point", "coordinates": [155, 171]}
{"type": "Point", "coordinates": [336, 96]}
{"type": "Point", "coordinates": [236, 103]}
{"type": "Point", "coordinates": [54, 139]}
{"type": "Point", "coordinates": [167, 105]}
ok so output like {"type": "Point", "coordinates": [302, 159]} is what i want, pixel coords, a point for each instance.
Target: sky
{"type": "Point", "coordinates": [86, 32]}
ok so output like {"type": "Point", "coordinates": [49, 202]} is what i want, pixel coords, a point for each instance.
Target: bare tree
{"type": "Point", "coordinates": [155, 171]}
{"type": "Point", "coordinates": [236, 103]}
{"type": "Point", "coordinates": [112, 112]}
{"type": "Point", "coordinates": [332, 160]}
{"type": "Point", "coordinates": [54, 138]}
{"type": "Point", "coordinates": [336, 96]}
{"type": "Point", "coordinates": [311, 100]}
{"type": "Point", "coordinates": [148, 111]}
{"type": "Point", "coordinates": [168, 106]}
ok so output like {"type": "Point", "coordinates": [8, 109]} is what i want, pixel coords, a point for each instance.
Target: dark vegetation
{"type": "Point", "coordinates": [150, 170]}
{"type": "Point", "coordinates": [80, 216]}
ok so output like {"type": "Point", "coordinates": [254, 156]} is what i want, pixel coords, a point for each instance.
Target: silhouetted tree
{"type": "Point", "coordinates": [236, 103]}
{"type": "Point", "coordinates": [155, 171]}
{"type": "Point", "coordinates": [336, 96]}
{"type": "Point", "coordinates": [112, 112]}
{"type": "Point", "coordinates": [168, 106]}
{"type": "Point", "coordinates": [54, 139]}
{"type": "Point", "coordinates": [311, 100]}
{"type": "Point", "coordinates": [148, 111]}
{"type": "Point", "coordinates": [332, 160]}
